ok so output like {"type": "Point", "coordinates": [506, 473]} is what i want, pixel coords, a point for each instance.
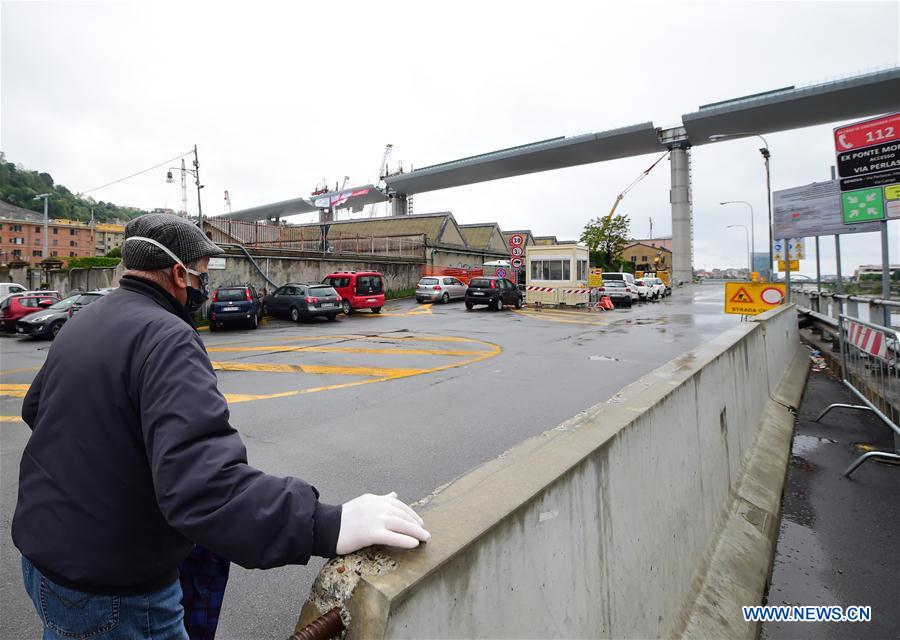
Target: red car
{"type": "Point", "coordinates": [17, 306]}
{"type": "Point", "coordinates": [358, 289]}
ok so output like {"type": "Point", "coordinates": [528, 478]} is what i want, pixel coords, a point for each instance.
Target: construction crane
{"type": "Point", "coordinates": [227, 202]}
{"type": "Point", "coordinates": [379, 176]}
{"type": "Point", "coordinates": [633, 185]}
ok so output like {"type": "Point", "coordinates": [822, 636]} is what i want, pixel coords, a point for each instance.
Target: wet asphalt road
{"type": "Point", "coordinates": [405, 401]}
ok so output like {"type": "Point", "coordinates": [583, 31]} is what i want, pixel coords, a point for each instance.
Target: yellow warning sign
{"type": "Point", "coordinates": [752, 298]}
{"type": "Point", "coordinates": [595, 278]}
{"type": "Point", "coordinates": [795, 265]}
{"type": "Point", "coordinates": [892, 192]}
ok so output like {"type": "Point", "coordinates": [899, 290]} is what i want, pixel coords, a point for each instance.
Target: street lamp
{"type": "Point", "coordinates": [752, 228]}
{"type": "Point", "coordinates": [45, 252]}
{"type": "Point", "coordinates": [749, 261]}
{"type": "Point", "coordinates": [766, 155]}
{"type": "Point", "coordinates": [196, 173]}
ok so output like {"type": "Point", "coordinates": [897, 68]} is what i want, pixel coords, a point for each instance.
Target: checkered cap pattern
{"type": "Point", "coordinates": [182, 238]}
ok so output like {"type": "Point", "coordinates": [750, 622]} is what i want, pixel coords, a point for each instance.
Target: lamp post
{"type": "Point", "coordinates": [766, 155]}
{"type": "Point", "coordinates": [196, 173]}
{"type": "Point", "coordinates": [752, 228]}
{"type": "Point", "coordinates": [45, 252]}
{"type": "Point", "coordinates": [746, 231]}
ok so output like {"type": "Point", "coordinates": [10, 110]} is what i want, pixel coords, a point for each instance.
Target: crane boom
{"type": "Point", "coordinates": [633, 185]}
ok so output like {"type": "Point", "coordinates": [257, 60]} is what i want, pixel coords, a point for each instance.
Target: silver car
{"type": "Point", "coordinates": [443, 288]}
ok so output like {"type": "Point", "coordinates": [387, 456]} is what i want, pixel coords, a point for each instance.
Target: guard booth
{"type": "Point", "coordinates": [557, 274]}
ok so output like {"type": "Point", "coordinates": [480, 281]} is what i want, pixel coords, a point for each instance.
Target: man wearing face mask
{"type": "Point", "coordinates": [132, 460]}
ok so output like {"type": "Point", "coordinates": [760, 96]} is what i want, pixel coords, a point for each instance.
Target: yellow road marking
{"type": "Point", "coordinates": [543, 315]}
{"type": "Point", "coordinates": [289, 348]}
{"type": "Point", "coordinates": [10, 419]}
{"type": "Point", "coordinates": [380, 372]}
{"type": "Point", "coordinates": [14, 390]}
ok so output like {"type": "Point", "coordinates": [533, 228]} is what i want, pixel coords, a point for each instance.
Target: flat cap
{"type": "Point", "coordinates": [178, 235]}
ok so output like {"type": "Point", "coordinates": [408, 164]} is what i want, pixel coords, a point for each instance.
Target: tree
{"type": "Point", "coordinates": [606, 238]}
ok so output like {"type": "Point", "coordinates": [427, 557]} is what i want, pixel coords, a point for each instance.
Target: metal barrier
{"type": "Point", "coordinates": [870, 359]}
{"type": "Point", "coordinates": [835, 304]}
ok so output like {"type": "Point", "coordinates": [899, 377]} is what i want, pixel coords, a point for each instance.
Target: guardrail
{"type": "Point", "coordinates": [870, 369]}
{"type": "Point", "coordinates": [832, 305]}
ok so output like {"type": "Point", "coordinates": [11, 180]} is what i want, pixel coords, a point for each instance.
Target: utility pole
{"type": "Point", "coordinates": [199, 186]}
{"type": "Point", "coordinates": [46, 250]}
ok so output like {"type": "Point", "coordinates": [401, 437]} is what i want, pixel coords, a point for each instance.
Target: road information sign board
{"type": "Point", "coordinates": [863, 205]}
{"type": "Point", "coordinates": [595, 278]}
{"type": "Point", "coordinates": [793, 264]}
{"type": "Point", "coordinates": [812, 210]}
{"type": "Point", "coordinates": [752, 298]}
{"type": "Point", "coordinates": [867, 133]}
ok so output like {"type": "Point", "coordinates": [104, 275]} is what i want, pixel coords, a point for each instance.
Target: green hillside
{"type": "Point", "coordinates": [19, 186]}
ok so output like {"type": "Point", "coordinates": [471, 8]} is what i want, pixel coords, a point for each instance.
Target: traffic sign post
{"type": "Point", "coordinates": [516, 263]}
{"type": "Point", "coordinates": [868, 160]}
{"type": "Point", "coordinates": [752, 298]}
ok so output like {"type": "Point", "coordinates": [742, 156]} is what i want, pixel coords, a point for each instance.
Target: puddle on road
{"type": "Point", "coordinates": [804, 444]}
{"type": "Point", "coordinates": [604, 358]}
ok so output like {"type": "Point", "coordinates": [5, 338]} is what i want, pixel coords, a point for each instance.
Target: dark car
{"type": "Point", "coordinates": [85, 299]}
{"type": "Point", "coordinates": [235, 304]}
{"type": "Point", "coordinates": [303, 300]}
{"type": "Point", "coordinates": [494, 292]}
{"type": "Point", "coordinates": [47, 323]}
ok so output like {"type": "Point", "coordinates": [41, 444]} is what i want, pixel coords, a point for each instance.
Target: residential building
{"type": "Point", "coordinates": [646, 257]}
{"type": "Point", "coordinates": [664, 242]}
{"type": "Point", "coordinates": [107, 237]}
{"type": "Point", "coordinates": [22, 237]}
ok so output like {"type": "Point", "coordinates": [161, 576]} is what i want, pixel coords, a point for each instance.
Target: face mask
{"type": "Point", "coordinates": [195, 297]}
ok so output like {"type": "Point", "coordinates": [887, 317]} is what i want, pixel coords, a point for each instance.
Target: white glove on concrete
{"type": "Point", "coordinates": [371, 519]}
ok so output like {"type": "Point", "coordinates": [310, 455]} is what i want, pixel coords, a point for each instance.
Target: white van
{"type": "Point", "coordinates": [9, 288]}
{"type": "Point", "coordinates": [627, 278]}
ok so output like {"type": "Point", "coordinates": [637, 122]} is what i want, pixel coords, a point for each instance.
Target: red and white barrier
{"type": "Point", "coordinates": [867, 339]}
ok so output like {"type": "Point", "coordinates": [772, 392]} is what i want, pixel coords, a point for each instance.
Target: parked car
{"type": "Point", "coordinates": [645, 291]}
{"type": "Point", "coordinates": [443, 288]}
{"type": "Point", "coordinates": [494, 292]}
{"type": "Point", "coordinates": [235, 305]}
{"type": "Point", "coordinates": [303, 300]}
{"type": "Point", "coordinates": [358, 289]}
{"type": "Point", "coordinates": [47, 323]}
{"type": "Point", "coordinates": [627, 278]}
{"type": "Point", "coordinates": [85, 299]}
{"type": "Point", "coordinates": [617, 291]}
{"type": "Point", "coordinates": [18, 305]}
{"type": "Point", "coordinates": [658, 286]}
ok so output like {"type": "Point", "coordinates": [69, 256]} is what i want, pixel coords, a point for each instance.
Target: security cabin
{"type": "Point", "coordinates": [557, 273]}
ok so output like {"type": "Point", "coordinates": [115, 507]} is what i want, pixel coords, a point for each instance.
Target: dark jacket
{"type": "Point", "coordinates": [132, 458]}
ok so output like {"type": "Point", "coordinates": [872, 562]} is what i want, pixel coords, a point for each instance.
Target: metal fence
{"type": "Point", "coordinates": [262, 235]}
{"type": "Point", "coordinates": [832, 305]}
{"type": "Point", "coordinates": [870, 369]}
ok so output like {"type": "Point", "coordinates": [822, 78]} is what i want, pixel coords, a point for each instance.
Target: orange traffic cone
{"type": "Point", "coordinates": [607, 302]}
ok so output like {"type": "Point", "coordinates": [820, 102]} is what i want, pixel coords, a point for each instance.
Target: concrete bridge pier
{"type": "Point", "coordinates": [399, 205]}
{"type": "Point", "coordinates": [682, 216]}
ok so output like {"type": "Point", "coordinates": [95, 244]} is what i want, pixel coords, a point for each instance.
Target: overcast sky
{"type": "Point", "coordinates": [278, 96]}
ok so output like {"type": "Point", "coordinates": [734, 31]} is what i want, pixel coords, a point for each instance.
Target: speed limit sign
{"type": "Point", "coordinates": [517, 263]}
{"type": "Point", "coordinates": [516, 240]}
{"type": "Point", "coordinates": [517, 252]}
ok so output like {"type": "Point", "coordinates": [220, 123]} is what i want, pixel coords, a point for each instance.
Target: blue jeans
{"type": "Point", "coordinates": [68, 614]}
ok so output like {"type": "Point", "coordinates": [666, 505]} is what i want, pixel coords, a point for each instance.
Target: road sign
{"type": "Point", "coordinates": [812, 210]}
{"type": "Point", "coordinates": [517, 252]}
{"type": "Point", "coordinates": [872, 180]}
{"type": "Point", "coordinates": [501, 272]}
{"type": "Point", "coordinates": [516, 240]}
{"type": "Point", "coordinates": [796, 248]}
{"type": "Point", "coordinates": [595, 278]}
{"type": "Point", "coordinates": [867, 133]}
{"type": "Point", "coordinates": [863, 205]}
{"type": "Point", "coordinates": [892, 192]}
{"type": "Point", "coordinates": [216, 263]}
{"type": "Point", "coordinates": [861, 162]}
{"type": "Point", "coordinates": [794, 264]}
{"type": "Point", "coordinates": [517, 263]}
{"type": "Point", "coordinates": [750, 298]}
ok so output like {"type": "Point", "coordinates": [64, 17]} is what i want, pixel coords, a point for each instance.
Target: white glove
{"type": "Point", "coordinates": [371, 519]}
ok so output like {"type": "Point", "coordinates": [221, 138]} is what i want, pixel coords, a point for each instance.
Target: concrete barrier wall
{"type": "Point", "coordinates": [601, 527]}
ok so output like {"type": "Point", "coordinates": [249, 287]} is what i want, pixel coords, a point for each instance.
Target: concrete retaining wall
{"type": "Point", "coordinates": [601, 527]}
{"type": "Point", "coordinates": [238, 270]}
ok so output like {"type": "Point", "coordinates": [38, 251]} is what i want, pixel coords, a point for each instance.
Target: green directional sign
{"type": "Point", "coordinates": [863, 205]}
